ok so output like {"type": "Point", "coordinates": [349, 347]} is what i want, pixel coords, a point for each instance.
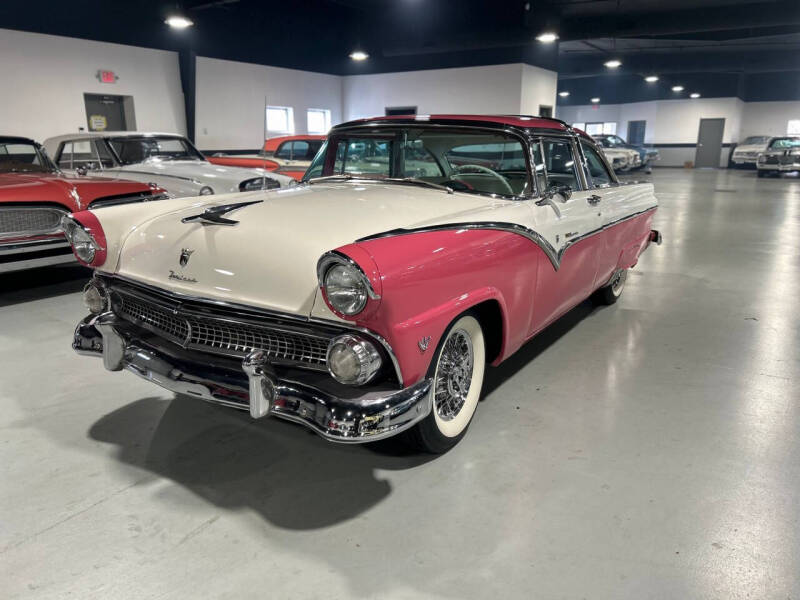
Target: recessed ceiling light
{"type": "Point", "coordinates": [359, 55]}
{"type": "Point", "coordinates": [178, 22]}
{"type": "Point", "coordinates": [612, 64]}
{"type": "Point", "coordinates": [694, 95]}
{"type": "Point", "coordinates": [547, 37]}
{"type": "Point", "coordinates": [677, 88]}
{"type": "Point", "coordinates": [595, 100]}
{"type": "Point", "coordinates": [563, 94]}
{"type": "Point", "coordinates": [651, 78]}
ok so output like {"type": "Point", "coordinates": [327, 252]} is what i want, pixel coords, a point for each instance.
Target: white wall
{"type": "Point", "coordinates": [231, 98]}
{"type": "Point", "coordinates": [44, 78]}
{"type": "Point", "coordinates": [669, 122]}
{"type": "Point", "coordinates": [498, 89]}
{"type": "Point", "coordinates": [768, 118]}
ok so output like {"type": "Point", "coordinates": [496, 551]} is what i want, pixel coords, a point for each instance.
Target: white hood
{"type": "Point", "coordinates": [220, 178]}
{"type": "Point", "coordinates": [751, 148]}
{"type": "Point", "coordinates": [269, 258]}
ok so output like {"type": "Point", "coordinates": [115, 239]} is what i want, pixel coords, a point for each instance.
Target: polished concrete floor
{"type": "Point", "coordinates": [645, 450]}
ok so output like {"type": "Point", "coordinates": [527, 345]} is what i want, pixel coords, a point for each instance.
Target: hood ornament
{"type": "Point", "coordinates": [185, 254]}
{"type": "Point", "coordinates": [213, 214]}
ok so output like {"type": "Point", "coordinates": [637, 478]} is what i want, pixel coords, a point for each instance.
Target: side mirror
{"type": "Point", "coordinates": [559, 189]}
{"type": "Point", "coordinates": [82, 170]}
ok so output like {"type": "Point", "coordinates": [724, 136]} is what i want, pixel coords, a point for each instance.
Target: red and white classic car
{"type": "Point", "coordinates": [35, 195]}
{"type": "Point", "coordinates": [288, 155]}
{"type": "Point", "coordinates": [369, 300]}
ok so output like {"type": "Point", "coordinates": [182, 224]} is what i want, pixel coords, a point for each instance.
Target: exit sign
{"type": "Point", "coordinates": [107, 76]}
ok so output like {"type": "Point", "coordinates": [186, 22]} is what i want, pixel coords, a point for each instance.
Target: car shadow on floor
{"type": "Point", "coordinates": [288, 475]}
{"type": "Point", "coordinates": [45, 282]}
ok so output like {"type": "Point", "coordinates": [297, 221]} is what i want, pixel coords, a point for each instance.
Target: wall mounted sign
{"type": "Point", "coordinates": [107, 76]}
{"type": "Point", "coordinates": [98, 122]}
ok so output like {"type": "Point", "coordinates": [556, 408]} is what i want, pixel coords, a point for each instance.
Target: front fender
{"type": "Point", "coordinates": [429, 278]}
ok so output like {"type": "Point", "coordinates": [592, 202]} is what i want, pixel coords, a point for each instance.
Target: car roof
{"type": "Point", "coordinates": [518, 121]}
{"type": "Point", "coordinates": [15, 139]}
{"type": "Point", "coordinates": [83, 135]}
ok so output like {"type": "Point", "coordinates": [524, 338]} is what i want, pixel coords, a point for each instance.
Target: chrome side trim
{"type": "Point", "coordinates": [555, 256]}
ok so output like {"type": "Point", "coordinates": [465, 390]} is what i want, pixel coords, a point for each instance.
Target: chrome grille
{"type": "Point", "coordinates": [29, 221]}
{"type": "Point", "coordinates": [219, 335]}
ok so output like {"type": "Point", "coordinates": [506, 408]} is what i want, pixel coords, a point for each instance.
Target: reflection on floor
{"type": "Point", "coordinates": [649, 449]}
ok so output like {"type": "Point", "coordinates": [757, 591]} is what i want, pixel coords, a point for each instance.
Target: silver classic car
{"type": "Point", "coordinates": [168, 160]}
{"type": "Point", "coordinates": [782, 155]}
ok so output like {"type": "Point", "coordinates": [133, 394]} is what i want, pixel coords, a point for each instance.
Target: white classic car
{"type": "Point", "coordinates": [621, 159]}
{"type": "Point", "coordinates": [168, 160]}
{"type": "Point", "coordinates": [747, 152]}
{"type": "Point", "coordinates": [782, 155]}
{"type": "Point", "coordinates": [369, 300]}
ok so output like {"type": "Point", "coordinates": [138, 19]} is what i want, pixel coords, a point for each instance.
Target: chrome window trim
{"type": "Point", "coordinates": [521, 136]}
{"type": "Point", "coordinates": [239, 308]}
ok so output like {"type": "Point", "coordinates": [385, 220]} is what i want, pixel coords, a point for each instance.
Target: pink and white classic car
{"type": "Point", "coordinates": [369, 300]}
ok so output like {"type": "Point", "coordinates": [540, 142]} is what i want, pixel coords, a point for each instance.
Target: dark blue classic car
{"type": "Point", "coordinates": [648, 155]}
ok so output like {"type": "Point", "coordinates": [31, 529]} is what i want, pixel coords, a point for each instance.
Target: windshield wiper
{"type": "Point", "coordinates": [411, 180]}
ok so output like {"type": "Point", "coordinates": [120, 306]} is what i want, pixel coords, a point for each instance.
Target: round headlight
{"type": "Point", "coordinates": [82, 243]}
{"type": "Point", "coordinates": [352, 360]}
{"type": "Point", "coordinates": [346, 289]}
{"type": "Point", "coordinates": [206, 191]}
{"type": "Point", "coordinates": [95, 298]}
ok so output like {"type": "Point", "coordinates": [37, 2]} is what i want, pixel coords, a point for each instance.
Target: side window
{"type": "Point", "coordinates": [597, 169]}
{"type": "Point", "coordinates": [419, 162]}
{"type": "Point", "coordinates": [284, 150]}
{"type": "Point", "coordinates": [300, 151]}
{"type": "Point", "coordinates": [65, 155]}
{"type": "Point", "coordinates": [103, 154]}
{"type": "Point", "coordinates": [560, 164]}
{"type": "Point", "coordinates": [83, 155]}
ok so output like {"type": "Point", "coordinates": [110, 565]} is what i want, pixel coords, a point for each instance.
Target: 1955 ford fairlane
{"type": "Point", "coordinates": [367, 301]}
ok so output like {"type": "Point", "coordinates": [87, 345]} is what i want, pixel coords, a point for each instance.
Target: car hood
{"type": "Point", "coordinates": [751, 148]}
{"type": "Point", "coordinates": [268, 259]}
{"type": "Point", "coordinates": [74, 193]}
{"type": "Point", "coordinates": [220, 178]}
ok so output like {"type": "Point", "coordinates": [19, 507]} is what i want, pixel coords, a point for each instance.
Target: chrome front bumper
{"type": "Point", "coordinates": [779, 167]}
{"type": "Point", "coordinates": [254, 386]}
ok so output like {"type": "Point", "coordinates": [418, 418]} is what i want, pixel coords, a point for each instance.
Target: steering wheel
{"type": "Point", "coordinates": [458, 170]}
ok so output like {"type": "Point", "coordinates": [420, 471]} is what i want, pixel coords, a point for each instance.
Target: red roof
{"type": "Point", "coordinates": [513, 120]}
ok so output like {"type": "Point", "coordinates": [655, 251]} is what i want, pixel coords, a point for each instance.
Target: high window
{"type": "Point", "coordinates": [319, 120]}
{"type": "Point", "coordinates": [280, 119]}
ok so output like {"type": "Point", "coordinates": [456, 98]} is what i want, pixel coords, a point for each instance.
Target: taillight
{"type": "Point", "coordinates": [86, 237]}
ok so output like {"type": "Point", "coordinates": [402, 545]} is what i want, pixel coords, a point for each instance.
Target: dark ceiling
{"type": "Point", "coordinates": [730, 40]}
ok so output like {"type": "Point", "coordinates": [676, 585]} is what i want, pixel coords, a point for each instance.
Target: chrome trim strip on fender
{"type": "Point", "coordinates": [555, 256]}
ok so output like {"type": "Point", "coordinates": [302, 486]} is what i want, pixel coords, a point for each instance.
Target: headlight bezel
{"type": "Point", "coordinates": [368, 361]}
{"type": "Point", "coordinates": [86, 237]}
{"type": "Point", "coordinates": [325, 268]}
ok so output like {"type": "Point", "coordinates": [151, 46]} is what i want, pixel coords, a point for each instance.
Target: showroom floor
{"type": "Point", "coordinates": [645, 450]}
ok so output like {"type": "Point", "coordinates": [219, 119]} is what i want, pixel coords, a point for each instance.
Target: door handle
{"type": "Point", "coordinates": [594, 199]}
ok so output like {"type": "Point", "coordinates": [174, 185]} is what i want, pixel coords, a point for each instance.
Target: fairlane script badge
{"type": "Point", "coordinates": [184, 260]}
{"type": "Point", "coordinates": [179, 277]}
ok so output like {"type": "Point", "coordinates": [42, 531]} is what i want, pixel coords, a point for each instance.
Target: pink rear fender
{"type": "Point", "coordinates": [429, 278]}
{"type": "Point", "coordinates": [633, 236]}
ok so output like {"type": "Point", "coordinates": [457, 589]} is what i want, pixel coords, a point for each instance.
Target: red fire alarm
{"type": "Point", "coordinates": [107, 77]}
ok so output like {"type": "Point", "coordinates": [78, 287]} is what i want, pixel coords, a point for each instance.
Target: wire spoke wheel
{"type": "Point", "coordinates": [454, 375]}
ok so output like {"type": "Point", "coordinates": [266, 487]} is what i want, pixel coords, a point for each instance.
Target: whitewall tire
{"type": "Point", "coordinates": [457, 371]}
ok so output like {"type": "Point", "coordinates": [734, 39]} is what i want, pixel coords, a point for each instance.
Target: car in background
{"type": "Point", "coordinates": [288, 155]}
{"type": "Point", "coordinates": [621, 159]}
{"type": "Point", "coordinates": [35, 195]}
{"type": "Point", "coordinates": [169, 160]}
{"type": "Point", "coordinates": [782, 155]}
{"type": "Point", "coordinates": [746, 153]}
{"type": "Point", "coordinates": [415, 270]}
{"type": "Point", "coordinates": [647, 156]}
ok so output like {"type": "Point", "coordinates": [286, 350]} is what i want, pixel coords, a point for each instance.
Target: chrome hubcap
{"type": "Point", "coordinates": [453, 375]}
{"type": "Point", "coordinates": [619, 282]}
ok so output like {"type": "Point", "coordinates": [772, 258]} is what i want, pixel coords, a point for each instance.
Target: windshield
{"type": "Point", "coordinates": [23, 157]}
{"type": "Point", "coordinates": [132, 150]}
{"type": "Point", "coordinates": [786, 142]}
{"type": "Point", "coordinates": [472, 161]}
{"type": "Point", "coordinates": [755, 139]}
